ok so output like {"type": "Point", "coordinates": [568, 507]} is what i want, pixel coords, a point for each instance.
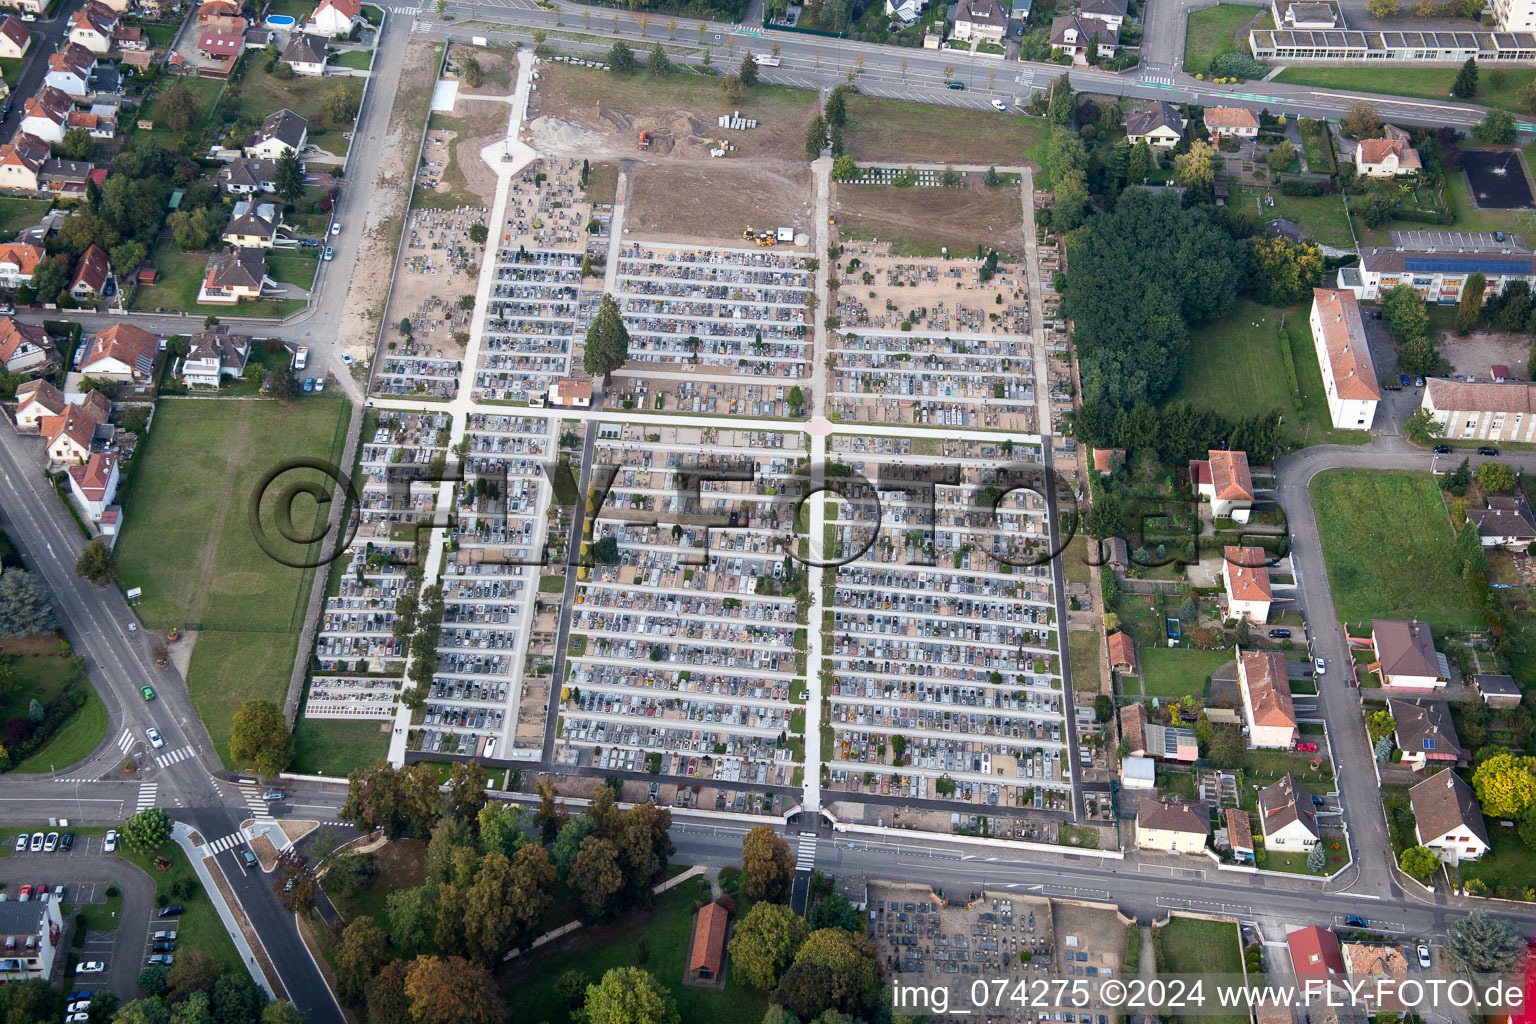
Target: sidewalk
{"type": "Point", "coordinates": [215, 888]}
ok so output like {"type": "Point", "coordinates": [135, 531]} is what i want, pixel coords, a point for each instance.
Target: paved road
{"type": "Point", "coordinates": [48, 34]}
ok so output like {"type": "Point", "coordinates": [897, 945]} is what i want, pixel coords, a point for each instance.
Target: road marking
{"type": "Point", "coordinates": [805, 854]}
{"type": "Point", "coordinates": [229, 842]}
{"type": "Point", "coordinates": [125, 740]}
{"type": "Point", "coordinates": [147, 792]}
{"type": "Point", "coordinates": [166, 760]}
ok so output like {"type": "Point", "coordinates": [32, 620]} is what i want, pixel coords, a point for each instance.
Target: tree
{"type": "Point", "coordinates": [25, 609]}
{"type": "Point", "coordinates": [764, 942]}
{"type": "Point", "coordinates": [1382, 750]}
{"type": "Point", "coordinates": [551, 815]}
{"type": "Point", "coordinates": [193, 971]}
{"type": "Point", "coordinates": [1497, 477]}
{"type": "Point", "coordinates": [293, 882]}
{"type": "Point", "coordinates": [1405, 314]}
{"type": "Point", "coordinates": [1422, 428]}
{"type": "Point", "coordinates": [1281, 272]}
{"type": "Point", "coordinates": [466, 790]}
{"type": "Point", "coordinates": [97, 563]}
{"type": "Point", "coordinates": [815, 137]}
{"type": "Point", "coordinates": [403, 802]}
{"type": "Point", "coordinates": [1361, 121]}
{"type": "Point", "coordinates": [607, 344]}
{"type": "Point", "coordinates": [730, 88]}
{"type": "Point", "coordinates": [193, 229]}
{"type": "Point", "coordinates": [1470, 309]}
{"type": "Point", "coordinates": [147, 830]}
{"type": "Point", "coordinates": [259, 736]}
{"type": "Point", "coordinates": [77, 145]}
{"type": "Point", "coordinates": [1497, 127]}
{"type": "Point", "coordinates": [51, 276]}
{"type": "Point", "coordinates": [596, 878]}
{"type": "Point", "coordinates": [621, 59]}
{"type": "Point", "coordinates": [1138, 165]}
{"type": "Point", "coordinates": [413, 916]}
{"type": "Point", "coordinates": [844, 169]}
{"type": "Point", "coordinates": [504, 904]}
{"type": "Point", "coordinates": [1383, 9]}
{"type": "Point", "coordinates": [1465, 85]}
{"type": "Point", "coordinates": [1481, 944]}
{"type": "Point", "coordinates": [284, 1012]}
{"type": "Point", "coordinates": [474, 74]}
{"type": "Point", "coordinates": [180, 107]}
{"type": "Point", "coordinates": [341, 104]}
{"type": "Point", "coordinates": [1284, 155]}
{"type": "Point", "coordinates": [852, 965]}
{"type": "Point", "coordinates": [1379, 724]}
{"type": "Point", "coordinates": [1418, 862]}
{"type": "Point", "coordinates": [288, 176]}
{"type": "Point", "coordinates": [127, 256]}
{"type": "Point", "coordinates": [1063, 102]}
{"type": "Point", "coordinates": [657, 63]}
{"type": "Point", "coordinates": [629, 995]}
{"type": "Point", "coordinates": [1506, 785]}
{"type": "Point", "coordinates": [451, 991]}
{"type": "Point", "coordinates": [1103, 708]}
{"type": "Point", "coordinates": [748, 72]}
{"type": "Point", "coordinates": [1317, 858]}
{"type": "Point", "coordinates": [768, 865]}
{"type": "Point", "coordinates": [1193, 169]}
{"type": "Point", "coordinates": [362, 949]}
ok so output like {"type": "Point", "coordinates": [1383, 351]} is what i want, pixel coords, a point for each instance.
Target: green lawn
{"type": "Point", "coordinates": [328, 746]}
{"type": "Point", "coordinates": [1509, 866]}
{"type": "Point", "coordinates": [297, 268]}
{"type": "Point", "coordinates": [1075, 560]}
{"type": "Point", "coordinates": [199, 927]}
{"type": "Point", "coordinates": [1388, 541]}
{"type": "Point", "coordinates": [18, 214]}
{"type": "Point", "coordinates": [1323, 216]}
{"type": "Point", "coordinates": [358, 59]}
{"type": "Point", "coordinates": [261, 93]}
{"type": "Point", "coordinates": [42, 677]}
{"type": "Point", "coordinates": [206, 90]}
{"type": "Point", "coordinates": [230, 668]}
{"type": "Point", "coordinates": [75, 741]}
{"type": "Point", "coordinates": [1296, 863]}
{"type": "Point", "coordinates": [1176, 671]}
{"type": "Point", "coordinates": [1424, 83]}
{"type": "Point", "coordinates": [665, 930]}
{"type": "Point", "coordinates": [181, 274]}
{"type": "Point", "coordinates": [1085, 660]}
{"type": "Point", "coordinates": [902, 132]}
{"type": "Point", "coordinates": [1212, 33]}
{"type": "Point", "coordinates": [99, 917]}
{"type": "Point", "coordinates": [1193, 946]}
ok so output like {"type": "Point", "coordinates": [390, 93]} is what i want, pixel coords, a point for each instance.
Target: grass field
{"type": "Point", "coordinates": [1085, 660]}
{"type": "Point", "coordinates": [206, 90]}
{"type": "Point", "coordinates": [326, 746]}
{"type": "Point", "coordinates": [1324, 216]}
{"type": "Point", "coordinates": [18, 214]}
{"type": "Point", "coordinates": [1075, 560]}
{"type": "Point", "coordinates": [1509, 866]}
{"type": "Point", "coordinates": [260, 662]}
{"type": "Point", "coordinates": [42, 677]}
{"type": "Point", "coordinates": [1193, 946]}
{"type": "Point", "coordinates": [1176, 671]}
{"type": "Point", "coordinates": [74, 741]}
{"type": "Point", "coordinates": [297, 268]}
{"type": "Point", "coordinates": [356, 59]}
{"type": "Point", "coordinates": [1388, 542]}
{"type": "Point", "coordinates": [1423, 83]}
{"type": "Point", "coordinates": [665, 930]}
{"type": "Point", "coordinates": [1212, 32]}
{"type": "Point", "coordinates": [199, 927]}
{"type": "Point", "coordinates": [260, 94]}
{"type": "Point", "coordinates": [896, 131]}
{"type": "Point", "coordinates": [181, 274]}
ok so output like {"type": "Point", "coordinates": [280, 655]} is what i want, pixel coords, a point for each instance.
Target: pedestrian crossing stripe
{"type": "Point", "coordinates": [166, 760]}
{"type": "Point", "coordinates": [147, 792]}
{"type": "Point", "coordinates": [229, 842]}
{"type": "Point", "coordinates": [125, 740]}
{"type": "Point", "coordinates": [805, 855]}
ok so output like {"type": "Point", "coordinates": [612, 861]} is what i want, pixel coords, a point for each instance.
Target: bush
{"type": "Point", "coordinates": [1296, 187]}
{"type": "Point", "coordinates": [1239, 65]}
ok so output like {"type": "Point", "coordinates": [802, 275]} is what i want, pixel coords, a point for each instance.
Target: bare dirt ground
{"type": "Point", "coordinates": [364, 304]}
{"type": "Point", "coordinates": [462, 177]}
{"type": "Point", "coordinates": [1475, 353]}
{"type": "Point", "coordinates": [715, 201]}
{"type": "Point", "coordinates": [680, 112]}
{"type": "Point", "coordinates": [919, 221]}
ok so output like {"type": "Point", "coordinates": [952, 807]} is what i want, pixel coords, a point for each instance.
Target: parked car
{"type": "Point", "coordinates": [329, 253]}
{"type": "Point", "coordinates": [111, 844]}
{"type": "Point", "coordinates": [21, 843]}
{"type": "Point", "coordinates": [319, 384]}
{"type": "Point", "coordinates": [1320, 665]}
{"type": "Point", "coordinates": [346, 359]}
{"type": "Point", "coordinates": [164, 936]}
{"type": "Point", "coordinates": [336, 228]}
{"type": "Point", "coordinates": [1279, 634]}
{"type": "Point", "coordinates": [1306, 746]}
{"type": "Point", "coordinates": [67, 841]}
{"type": "Point", "coordinates": [174, 910]}
{"type": "Point", "coordinates": [1443, 449]}
{"type": "Point", "coordinates": [1418, 382]}
{"type": "Point", "coordinates": [1424, 960]}
{"type": "Point", "coordinates": [148, 692]}
{"type": "Point", "coordinates": [91, 967]}
{"type": "Point", "coordinates": [58, 894]}
{"type": "Point", "coordinates": [51, 843]}
{"type": "Point", "coordinates": [998, 104]}
{"type": "Point", "coordinates": [163, 946]}
{"type": "Point", "coordinates": [161, 960]}
{"type": "Point", "coordinates": [1488, 451]}
{"type": "Point", "coordinates": [155, 739]}
{"type": "Point", "coordinates": [309, 384]}
{"type": "Point", "coordinates": [1356, 921]}
{"type": "Point", "coordinates": [25, 895]}
{"type": "Point", "coordinates": [37, 842]}
{"type": "Point", "coordinates": [954, 84]}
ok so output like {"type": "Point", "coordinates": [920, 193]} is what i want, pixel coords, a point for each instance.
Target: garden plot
{"type": "Point", "coordinates": [945, 663]}
{"type": "Point", "coordinates": [686, 654]}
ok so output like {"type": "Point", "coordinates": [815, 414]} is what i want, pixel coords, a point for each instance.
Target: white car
{"type": "Point", "coordinates": [78, 1018]}
{"type": "Point", "coordinates": [21, 843]}
{"type": "Point", "coordinates": [111, 845]}
{"type": "Point", "coordinates": [29, 16]}
{"type": "Point", "coordinates": [51, 843]}
{"type": "Point", "coordinates": [91, 967]}
{"type": "Point", "coordinates": [1320, 665]}
{"type": "Point", "coordinates": [37, 842]}
{"type": "Point", "coordinates": [1424, 960]}
{"type": "Point", "coordinates": [154, 737]}
{"type": "Point", "coordinates": [346, 359]}
{"type": "Point", "coordinates": [336, 228]}
{"type": "Point", "coordinates": [133, 627]}
{"type": "Point", "coordinates": [999, 105]}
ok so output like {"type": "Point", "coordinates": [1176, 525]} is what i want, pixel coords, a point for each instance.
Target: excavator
{"type": "Point", "coordinates": [645, 140]}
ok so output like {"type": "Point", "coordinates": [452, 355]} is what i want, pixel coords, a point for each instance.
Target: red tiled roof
{"type": "Point", "coordinates": [1270, 695]}
{"type": "Point", "coordinates": [1354, 375]}
{"type": "Point", "coordinates": [708, 939]}
{"type": "Point", "coordinates": [1315, 954]}
{"type": "Point", "coordinates": [92, 478]}
{"type": "Point", "coordinates": [1247, 574]}
{"type": "Point", "coordinates": [1230, 117]}
{"type": "Point", "coordinates": [1229, 476]}
{"type": "Point", "coordinates": [1122, 651]}
{"type": "Point", "coordinates": [13, 335]}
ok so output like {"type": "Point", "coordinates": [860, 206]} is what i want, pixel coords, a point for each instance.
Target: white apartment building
{"type": "Point", "coordinates": [1349, 376]}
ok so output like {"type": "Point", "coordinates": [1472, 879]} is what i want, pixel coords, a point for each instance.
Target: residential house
{"type": "Point", "coordinates": [1378, 969]}
{"type": "Point", "coordinates": [1505, 523]}
{"type": "Point", "coordinates": [1447, 818]}
{"type": "Point", "coordinates": [1107, 461]}
{"type": "Point", "coordinates": [1317, 960]}
{"type": "Point", "coordinates": [1287, 817]}
{"type": "Point", "coordinates": [1267, 708]}
{"type": "Point", "coordinates": [129, 39]}
{"type": "Point", "coordinates": [21, 160]}
{"type": "Point", "coordinates": [1240, 835]}
{"type": "Point", "coordinates": [1145, 738]}
{"type": "Point", "coordinates": [111, 523]}
{"type": "Point", "coordinates": [92, 27]}
{"type": "Point", "coordinates": [211, 10]}
{"type": "Point", "coordinates": [139, 61]}
{"type": "Point", "coordinates": [1111, 12]}
{"type": "Point", "coordinates": [217, 46]}
{"type": "Point", "coordinates": [94, 484]}
{"type": "Point", "coordinates": [1170, 825]}
{"type": "Point", "coordinates": [1435, 274]}
{"type": "Point", "coordinates": [24, 347]}
{"type": "Point", "coordinates": [1480, 411]}
{"type": "Point", "coordinates": [1237, 122]}
{"type": "Point", "coordinates": [334, 18]}
{"type": "Point", "coordinates": [46, 115]}
{"type": "Point", "coordinates": [257, 226]}
{"type": "Point", "coordinates": [31, 933]}
{"type": "Point", "coordinates": [27, 6]}
{"type": "Point", "coordinates": [980, 21]}
{"type": "Point", "coordinates": [67, 437]}
{"type": "Point", "coordinates": [66, 177]}
{"type": "Point", "coordinates": [1073, 34]}
{"type": "Point", "coordinates": [1405, 655]}
{"type": "Point", "coordinates": [1133, 728]}
{"type": "Point", "coordinates": [245, 177]}
{"type": "Point", "coordinates": [571, 394]}
{"type": "Point", "coordinates": [306, 54]}
{"type": "Point", "coordinates": [706, 954]}
{"type": "Point", "coordinates": [1223, 480]}
{"type": "Point", "coordinates": [1245, 575]}
{"type": "Point", "coordinates": [120, 352]}
{"type": "Point", "coordinates": [906, 11]}
{"type": "Point", "coordinates": [282, 132]}
{"type": "Point", "coordinates": [1159, 125]}
{"type": "Point", "coordinates": [15, 39]}
{"type": "Point", "coordinates": [69, 70]}
{"type": "Point", "coordinates": [1344, 354]}
{"type": "Point", "coordinates": [1387, 157]}
{"type": "Point", "coordinates": [1425, 733]}
{"type": "Point", "coordinates": [235, 275]}
{"type": "Point", "coordinates": [119, 6]}
{"type": "Point", "coordinates": [1497, 691]}
{"type": "Point", "coordinates": [18, 260]}
{"type": "Point", "coordinates": [91, 272]}
{"type": "Point", "coordinates": [98, 126]}
{"type": "Point", "coordinates": [214, 354]}
{"type": "Point", "coordinates": [1138, 773]}
{"type": "Point", "coordinates": [36, 400]}
{"type": "Point", "coordinates": [1122, 652]}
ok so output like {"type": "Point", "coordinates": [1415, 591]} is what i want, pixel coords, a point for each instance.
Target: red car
{"type": "Point", "coordinates": [1305, 747]}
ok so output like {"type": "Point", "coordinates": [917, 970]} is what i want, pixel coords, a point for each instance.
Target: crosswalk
{"type": "Point", "coordinates": [406, 10]}
{"type": "Point", "coordinates": [166, 760]}
{"type": "Point", "coordinates": [229, 842]}
{"type": "Point", "coordinates": [1157, 80]}
{"type": "Point", "coordinates": [125, 740]}
{"type": "Point", "coordinates": [147, 791]}
{"type": "Point", "coordinates": [259, 808]}
{"type": "Point", "coordinates": [805, 854]}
